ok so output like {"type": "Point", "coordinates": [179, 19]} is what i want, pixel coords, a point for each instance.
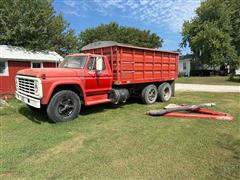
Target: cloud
{"type": "Point", "coordinates": [70, 3]}
{"type": "Point", "coordinates": [75, 7]}
{"type": "Point", "coordinates": [163, 13]}
{"type": "Point", "coordinates": [168, 14]}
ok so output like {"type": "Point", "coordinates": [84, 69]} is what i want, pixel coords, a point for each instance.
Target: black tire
{"type": "Point", "coordinates": [164, 92]}
{"type": "Point", "coordinates": [64, 106]}
{"type": "Point", "coordinates": [149, 94]}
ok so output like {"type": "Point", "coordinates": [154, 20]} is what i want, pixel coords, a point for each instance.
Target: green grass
{"type": "Point", "coordinates": [105, 142]}
{"type": "Point", "coordinates": [214, 80]}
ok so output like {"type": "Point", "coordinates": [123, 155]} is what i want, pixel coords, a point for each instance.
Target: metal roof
{"type": "Point", "coordinates": [21, 54]}
{"type": "Point", "coordinates": [101, 44]}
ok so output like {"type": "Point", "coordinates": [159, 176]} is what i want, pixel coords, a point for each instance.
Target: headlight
{"type": "Point", "coordinates": [36, 87]}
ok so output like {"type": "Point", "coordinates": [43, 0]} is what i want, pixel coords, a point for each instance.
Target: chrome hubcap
{"type": "Point", "coordinates": [166, 93]}
{"type": "Point", "coordinates": [152, 95]}
{"type": "Point", "coordinates": [66, 107]}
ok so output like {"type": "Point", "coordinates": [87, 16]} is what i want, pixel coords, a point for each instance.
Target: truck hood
{"type": "Point", "coordinates": [49, 72]}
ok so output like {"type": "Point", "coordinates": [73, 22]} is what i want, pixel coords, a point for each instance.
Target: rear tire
{"type": "Point", "coordinates": [149, 94]}
{"type": "Point", "coordinates": [164, 92]}
{"type": "Point", "coordinates": [64, 106]}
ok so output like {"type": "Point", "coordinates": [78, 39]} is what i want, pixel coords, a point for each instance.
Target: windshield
{"type": "Point", "coordinates": [73, 62]}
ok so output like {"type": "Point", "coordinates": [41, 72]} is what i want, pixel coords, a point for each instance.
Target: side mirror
{"type": "Point", "coordinates": [99, 64]}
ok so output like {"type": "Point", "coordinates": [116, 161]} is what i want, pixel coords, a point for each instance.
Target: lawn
{"type": "Point", "coordinates": [214, 80]}
{"type": "Point", "coordinates": [106, 142]}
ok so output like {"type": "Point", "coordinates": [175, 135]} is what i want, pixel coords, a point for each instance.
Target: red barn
{"type": "Point", "coordinates": [13, 59]}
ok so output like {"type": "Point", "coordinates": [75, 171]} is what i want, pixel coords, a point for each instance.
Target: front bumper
{"type": "Point", "coordinates": [28, 100]}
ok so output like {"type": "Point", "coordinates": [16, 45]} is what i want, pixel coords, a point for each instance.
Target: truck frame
{"type": "Point", "coordinates": [103, 72]}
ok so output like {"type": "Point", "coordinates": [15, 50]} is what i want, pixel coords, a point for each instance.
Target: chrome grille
{"type": "Point", "coordinates": [26, 86]}
{"type": "Point", "coordinates": [30, 86]}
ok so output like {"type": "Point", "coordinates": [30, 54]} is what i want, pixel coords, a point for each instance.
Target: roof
{"type": "Point", "coordinates": [21, 54]}
{"type": "Point", "coordinates": [101, 44]}
{"type": "Point", "coordinates": [187, 57]}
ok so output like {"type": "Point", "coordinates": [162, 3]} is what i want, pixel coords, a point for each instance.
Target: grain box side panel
{"type": "Point", "coordinates": [133, 65]}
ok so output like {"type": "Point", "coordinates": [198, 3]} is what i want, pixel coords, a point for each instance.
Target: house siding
{"type": "Point", "coordinates": [7, 83]}
{"type": "Point", "coordinates": [181, 70]}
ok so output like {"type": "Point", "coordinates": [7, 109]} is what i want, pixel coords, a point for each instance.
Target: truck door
{"type": "Point", "coordinates": [97, 82]}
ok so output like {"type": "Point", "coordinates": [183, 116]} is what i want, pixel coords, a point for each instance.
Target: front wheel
{"type": "Point", "coordinates": [64, 106]}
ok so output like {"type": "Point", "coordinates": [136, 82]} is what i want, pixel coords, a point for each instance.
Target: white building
{"type": "Point", "coordinates": [184, 66]}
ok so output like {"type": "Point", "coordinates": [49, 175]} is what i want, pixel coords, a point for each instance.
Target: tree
{"type": "Point", "coordinates": [121, 34]}
{"type": "Point", "coordinates": [33, 24]}
{"type": "Point", "coordinates": [214, 33]}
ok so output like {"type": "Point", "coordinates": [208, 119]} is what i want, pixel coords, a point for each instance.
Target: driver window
{"type": "Point", "coordinates": [92, 64]}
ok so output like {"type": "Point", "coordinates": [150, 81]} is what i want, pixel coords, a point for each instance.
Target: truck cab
{"type": "Point", "coordinates": [85, 78]}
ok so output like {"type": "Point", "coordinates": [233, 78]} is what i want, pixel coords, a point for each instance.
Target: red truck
{"type": "Point", "coordinates": [103, 72]}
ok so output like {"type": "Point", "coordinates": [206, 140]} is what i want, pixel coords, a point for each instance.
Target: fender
{"type": "Point", "coordinates": [50, 85]}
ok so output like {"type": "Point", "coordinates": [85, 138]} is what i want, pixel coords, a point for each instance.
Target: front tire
{"type": "Point", "coordinates": [164, 92]}
{"type": "Point", "coordinates": [149, 94]}
{"type": "Point", "coordinates": [64, 106]}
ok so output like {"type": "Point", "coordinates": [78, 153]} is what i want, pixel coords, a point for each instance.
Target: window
{"type": "Point", "coordinates": [73, 62]}
{"type": "Point", "coordinates": [4, 68]}
{"type": "Point", "coordinates": [184, 66]}
{"type": "Point", "coordinates": [37, 65]}
{"type": "Point", "coordinates": [92, 64]}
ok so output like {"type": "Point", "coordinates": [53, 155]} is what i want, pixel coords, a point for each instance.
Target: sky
{"type": "Point", "coordinates": [163, 17]}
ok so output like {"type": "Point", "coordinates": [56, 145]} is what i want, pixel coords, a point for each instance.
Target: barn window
{"type": "Point", "coordinates": [4, 68]}
{"type": "Point", "coordinates": [37, 65]}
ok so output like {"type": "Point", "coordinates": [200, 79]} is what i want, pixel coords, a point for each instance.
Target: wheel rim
{"type": "Point", "coordinates": [66, 107]}
{"type": "Point", "coordinates": [152, 95]}
{"type": "Point", "coordinates": [166, 93]}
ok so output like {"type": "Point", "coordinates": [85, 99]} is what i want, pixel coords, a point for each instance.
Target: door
{"type": "Point", "coordinates": [97, 82]}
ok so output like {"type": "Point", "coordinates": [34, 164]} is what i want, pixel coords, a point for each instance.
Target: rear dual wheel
{"type": "Point", "coordinates": [164, 92]}
{"type": "Point", "coordinates": [151, 93]}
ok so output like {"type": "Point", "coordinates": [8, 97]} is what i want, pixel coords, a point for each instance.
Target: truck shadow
{"type": "Point", "coordinates": [40, 116]}
{"type": "Point", "coordinates": [36, 116]}
{"type": "Point", "coordinates": [85, 110]}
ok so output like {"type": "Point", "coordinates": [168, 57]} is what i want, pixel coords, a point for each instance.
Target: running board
{"type": "Point", "coordinates": [96, 99]}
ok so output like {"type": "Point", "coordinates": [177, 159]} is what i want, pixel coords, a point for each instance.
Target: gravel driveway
{"type": "Point", "coordinates": [206, 88]}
